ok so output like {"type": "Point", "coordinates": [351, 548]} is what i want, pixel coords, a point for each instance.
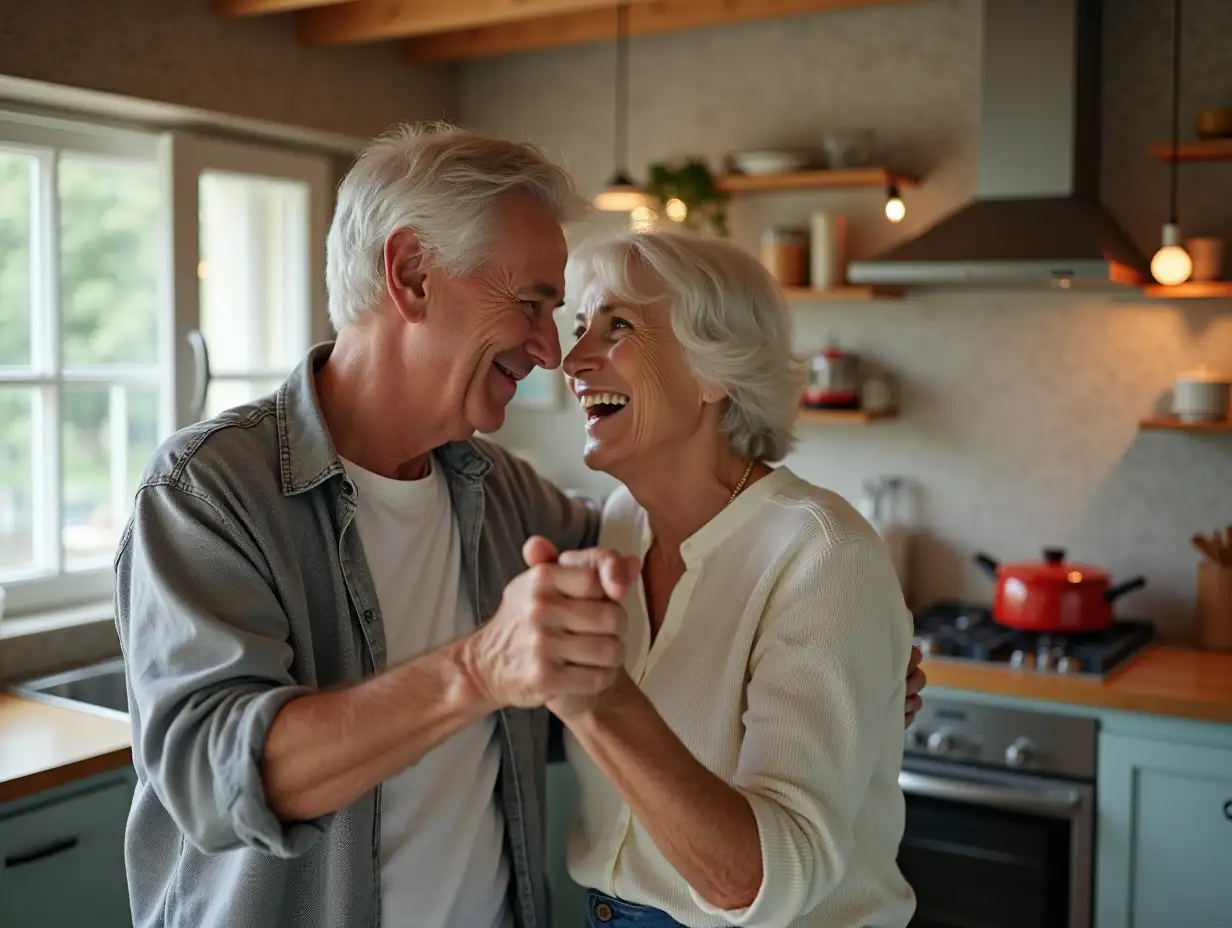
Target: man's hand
{"type": "Point", "coordinates": [916, 680]}
{"type": "Point", "coordinates": [558, 632]}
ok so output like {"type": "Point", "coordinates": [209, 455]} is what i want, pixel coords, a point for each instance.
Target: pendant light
{"type": "Point", "coordinates": [1172, 264]}
{"type": "Point", "coordinates": [895, 209]}
{"type": "Point", "coordinates": [621, 195]}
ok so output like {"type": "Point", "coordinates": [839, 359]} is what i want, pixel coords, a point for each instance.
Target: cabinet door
{"type": "Point", "coordinates": [568, 899]}
{"type": "Point", "coordinates": [62, 864]}
{"type": "Point", "coordinates": [1165, 834]}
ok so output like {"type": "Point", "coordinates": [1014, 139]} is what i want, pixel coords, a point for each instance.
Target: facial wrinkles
{"type": "Point", "coordinates": [647, 351]}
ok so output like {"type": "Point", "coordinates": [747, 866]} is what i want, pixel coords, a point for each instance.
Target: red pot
{"type": "Point", "coordinates": [1054, 595]}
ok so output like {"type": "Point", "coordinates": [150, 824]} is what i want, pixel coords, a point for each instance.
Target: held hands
{"type": "Point", "coordinates": [558, 633]}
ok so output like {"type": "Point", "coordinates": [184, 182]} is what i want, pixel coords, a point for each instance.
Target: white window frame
{"type": "Point", "coordinates": [180, 158]}
{"type": "Point", "coordinates": [189, 156]}
{"type": "Point", "coordinates": [44, 137]}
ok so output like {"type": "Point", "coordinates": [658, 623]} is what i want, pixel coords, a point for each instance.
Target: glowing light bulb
{"type": "Point", "coordinates": [895, 208]}
{"type": "Point", "coordinates": [642, 219]}
{"type": "Point", "coordinates": [1171, 264]}
{"type": "Point", "coordinates": [675, 209]}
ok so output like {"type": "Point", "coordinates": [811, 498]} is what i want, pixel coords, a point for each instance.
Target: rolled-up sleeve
{"type": "Point", "coordinates": [206, 651]}
{"type": "Point", "coordinates": [825, 678]}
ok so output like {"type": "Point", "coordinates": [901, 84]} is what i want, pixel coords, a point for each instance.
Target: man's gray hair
{"type": "Point", "coordinates": [442, 182]}
{"type": "Point", "coordinates": [731, 320]}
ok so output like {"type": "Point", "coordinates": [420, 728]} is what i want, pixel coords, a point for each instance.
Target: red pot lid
{"type": "Point", "coordinates": [1055, 569]}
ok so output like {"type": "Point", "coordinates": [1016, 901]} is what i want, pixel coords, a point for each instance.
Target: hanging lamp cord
{"type": "Point", "coordinates": [1176, 103]}
{"type": "Point", "coordinates": [622, 80]}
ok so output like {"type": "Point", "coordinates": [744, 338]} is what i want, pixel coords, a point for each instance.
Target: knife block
{"type": "Point", "coordinates": [1214, 607]}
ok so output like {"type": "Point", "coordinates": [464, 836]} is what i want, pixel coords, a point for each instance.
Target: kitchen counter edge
{"type": "Point", "coordinates": [1163, 680]}
{"type": "Point", "coordinates": [44, 746]}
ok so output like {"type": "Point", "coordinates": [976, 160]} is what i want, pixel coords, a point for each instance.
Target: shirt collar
{"type": "Point", "coordinates": [306, 452]}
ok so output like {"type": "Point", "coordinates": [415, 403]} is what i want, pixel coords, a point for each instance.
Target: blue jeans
{"type": "Point", "coordinates": [602, 911]}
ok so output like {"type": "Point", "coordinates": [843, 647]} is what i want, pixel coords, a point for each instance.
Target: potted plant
{"type": "Point", "coordinates": [690, 182]}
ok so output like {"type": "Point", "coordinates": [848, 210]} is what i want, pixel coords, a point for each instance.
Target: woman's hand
{"type": "Point", "coordinates": [916, 681]}
{"type": "Point", "coordinates": [572, 708]}
{"type": "Point", "coordinates": [615, 575]}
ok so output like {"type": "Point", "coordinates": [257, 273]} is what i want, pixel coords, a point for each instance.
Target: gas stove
{"type": "Point", "coordinates": [967, 632]}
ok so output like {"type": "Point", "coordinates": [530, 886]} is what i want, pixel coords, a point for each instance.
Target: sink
{"type": "Point", "coordinates": [97, 688]}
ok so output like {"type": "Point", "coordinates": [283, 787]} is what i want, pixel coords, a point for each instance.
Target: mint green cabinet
{"type": "Point", "coordinates": [62, 856]}
{"type": "Point", "coordinates": [1164, 833]}
{"type": "Point", "coordinates": [568, 899]}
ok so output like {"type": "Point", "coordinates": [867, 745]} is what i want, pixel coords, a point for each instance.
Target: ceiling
{"type": "Point", "coordinates": [452, 30]}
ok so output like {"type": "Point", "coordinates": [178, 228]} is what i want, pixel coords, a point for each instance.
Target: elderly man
{"type": "Point", "coordinates": [337, 658]}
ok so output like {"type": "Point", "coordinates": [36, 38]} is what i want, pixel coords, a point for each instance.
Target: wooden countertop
{"type": "Point", "coordinates": [1162, 681]}
{"type": "Point", "coordinates": [44, 746]}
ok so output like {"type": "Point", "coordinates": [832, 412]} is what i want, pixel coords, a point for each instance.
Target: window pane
{"type": "Point", "coordinates": [253, 271]}
{"type": "Point", "coordinates": [16, 479]}
{"type": "Point", "coordinates": [224, 394]}
{"type": "Point", "coordinates": [109, 433]}
{"type": "Point", "coordinates": [17, 184]}
{"type": "Point", "coordinates": [110, 225]}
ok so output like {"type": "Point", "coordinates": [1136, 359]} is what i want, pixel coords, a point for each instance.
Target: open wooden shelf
{"type": "Point", "coordinates": [809, 295]}
{"type": "Point", "coordinates": [1193, 290]}
{"type": "Point", "coordinates": [1170, 424]}
{"type": "Point", "coordinates": [843, 416]}
{"type": "Point", "coordinates": [831, 179]}
{"type": "Point", "coordinates": [1208, 150]}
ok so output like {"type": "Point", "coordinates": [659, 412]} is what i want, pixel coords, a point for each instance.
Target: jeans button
{"type": "Point", "coordinates": [603, 912]}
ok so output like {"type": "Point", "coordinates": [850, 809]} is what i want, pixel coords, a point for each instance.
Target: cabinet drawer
{"type": "Point", "coordinates": [63, 863]}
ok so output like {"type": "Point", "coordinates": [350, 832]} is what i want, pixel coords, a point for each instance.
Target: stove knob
{"type": "Point", "coordinates": [1069, 665]}
{"type": "Point", "coordinates": [1022, 660]}
{"type": "Point", "coordinates": [1020, 753]}
{"type": "Point", "coordinates": [1046, 660]}
{"type": "Point", "coordinates": [928, 645]}
{"type": "Point", "coordinates": [940, 742]}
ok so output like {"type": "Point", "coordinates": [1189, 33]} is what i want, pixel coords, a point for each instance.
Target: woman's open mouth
{"type": "Point", "coordinates": [504, 370]}
{"type": "Point", "coordinates": [601, 405]}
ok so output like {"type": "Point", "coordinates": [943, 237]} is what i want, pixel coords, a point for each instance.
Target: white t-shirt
{"type": "Point", "coordinates": [442, 832]}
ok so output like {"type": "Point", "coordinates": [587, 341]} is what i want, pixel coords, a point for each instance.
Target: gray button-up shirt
{"type": "Point", "coordinates": [241, 584]}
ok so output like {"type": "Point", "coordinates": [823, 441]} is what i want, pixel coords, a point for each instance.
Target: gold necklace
{"type": "Point", "coordinates": [744, 478]}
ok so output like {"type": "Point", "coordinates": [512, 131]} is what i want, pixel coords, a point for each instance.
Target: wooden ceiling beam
{"type": "Point", "coordinates": [655, 18]}
{"type": "Point", "coordinates": [238, 8]}
{"type": "Point", "coordinates": [378, 20]}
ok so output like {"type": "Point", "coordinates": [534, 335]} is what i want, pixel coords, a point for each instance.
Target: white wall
{"type": "Point", "coordinates": [1020, 410]}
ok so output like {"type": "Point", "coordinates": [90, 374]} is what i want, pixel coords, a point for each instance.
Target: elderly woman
{"type": "Point", "coordinates": [743, 770]}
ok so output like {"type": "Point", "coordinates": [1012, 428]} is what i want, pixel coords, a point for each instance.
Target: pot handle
{"type": "Point", "coordinates": [987, 564]}
{"type": "Point", "coordinates": [1125, 586]}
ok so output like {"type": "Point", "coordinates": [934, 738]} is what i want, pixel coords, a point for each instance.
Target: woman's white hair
{"type": "Point", "coordinates": [731, 320]}
{"type": "Point", "coordinates": [441, 181]}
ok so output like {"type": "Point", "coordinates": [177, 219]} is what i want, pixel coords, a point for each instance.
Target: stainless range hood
{"type": "Point", "coordinates": [1036, 219]}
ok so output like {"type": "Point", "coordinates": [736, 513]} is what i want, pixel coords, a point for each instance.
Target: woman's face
{"type": "Point", "coordinates": [630, 376]}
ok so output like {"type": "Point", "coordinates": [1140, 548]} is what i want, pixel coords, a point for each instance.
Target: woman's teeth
{"type": "Point", "coordinates": [590, 400]}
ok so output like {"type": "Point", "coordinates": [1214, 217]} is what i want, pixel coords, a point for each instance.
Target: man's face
{"type": "Point", "coordinates": [490, 329]}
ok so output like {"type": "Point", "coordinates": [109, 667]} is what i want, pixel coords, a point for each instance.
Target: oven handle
{"type": "Point", "coordinates": [1054, 803]}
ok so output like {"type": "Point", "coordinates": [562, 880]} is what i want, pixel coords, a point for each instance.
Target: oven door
{"type": "Point", "coordinates": [996, 849]}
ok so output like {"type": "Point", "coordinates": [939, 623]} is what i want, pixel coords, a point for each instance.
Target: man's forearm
{"type": "Point", "coordinates": [326, 750]}
{"type": "Point", "coordinates": [704, 827]}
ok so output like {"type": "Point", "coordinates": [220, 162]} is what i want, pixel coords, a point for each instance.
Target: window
{"type": "Point", "coordinates": [105, 331]}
